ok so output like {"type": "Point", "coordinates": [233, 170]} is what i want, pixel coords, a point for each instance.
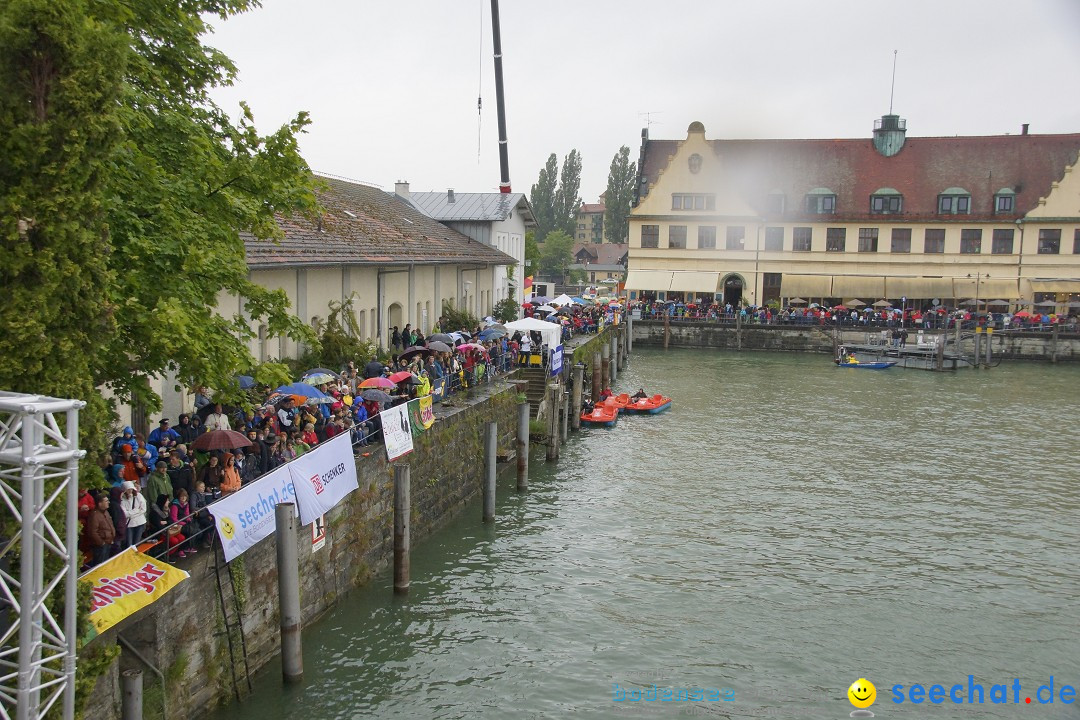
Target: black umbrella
{"type": "Point", "coordinates": [376, 395]}
{"type": "Point", "coordinates": [439, 346]}
{"type": "Point", "coordinates": [441, 337]}
{"type": "Point", "coordinates": [414, 351]}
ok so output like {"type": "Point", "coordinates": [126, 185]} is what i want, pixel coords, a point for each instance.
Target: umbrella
{"type": "Point", "coordinates": [471, 346]}
{"type": "Point", "coordinates": [796, 301]}
{"type": "Point", "coordinates": [374, 369]}
{"type": "Point", "coordinates": [277, 398]}
{"type": "Point", "coordinates": [883, 303]}
{"type": "Point", "coordinates": [968, 303]}
{"type": "Point", "coordinates": [539, 299]}
{"type": "Point", "coordinates": [404, 376]}
{"type": "Point", "coordinates": [997, 302]}
{"type": "Point", "coordinates": [314, 371]}
{"type": "Point", "coordinates": [491, 333]}
{"type": "Point", "coordinates": [220, 440]}
{"type": "Point", "coordinates": [440, 337]}
{"type": "Point", "coordinates": [815, 305]}
{"type": "Point", "coordinates": [1022, 314]}
{"type": "Point", "coordinates": [839, 307]}
{"type": "Point", "coordinates": [854, 303]}
{"type": "Point", "coordinates": [375, 395]}
{"type": "Point", "coordinates": [577, 300]}
{"type": "Point", "coordinates": [377, 382]}
{"type": "Point", "coordinates": [438, 346]}
{"type": "Point", "coordinates": [1047, 303]}
{"type": "Point", "coordinates": [310, 392]}
{"type": "Point", "coordinates": [414, 351]}
{"type": "Point", "coordinates": [545, 308]}
{"type": "Point", "coordinates": [318, 378]}
{"type": "Point", "coordinates": [246, 382]}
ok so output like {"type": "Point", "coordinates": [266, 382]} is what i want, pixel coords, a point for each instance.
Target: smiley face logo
{"type": "Point", "coordinates": [862, 693]}
{"type": "Point", "coordinates": [227, 528]}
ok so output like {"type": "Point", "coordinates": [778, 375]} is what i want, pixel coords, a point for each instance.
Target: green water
{"type": "Point", "coordinates": [787, 528]}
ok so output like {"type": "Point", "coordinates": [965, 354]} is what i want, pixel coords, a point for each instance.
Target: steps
{"type": "Point", "coordinates": [537, 378]}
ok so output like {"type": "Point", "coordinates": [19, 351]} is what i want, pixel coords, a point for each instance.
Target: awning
{"type": "Point", "coordinates": [808, 286]}
{"type": "Point", "coordinates": [1055, 286]}
{"type": "Point", "coordinates": [1004, 288]}
{"type": "Point", "coordinates": [858, 286]}
{"type": "Point", "coordinates": [694, 281]}
{"type": "Point", "coordinates": [648, 280]}
{"type": "Point", "coordinates": [921, 288]}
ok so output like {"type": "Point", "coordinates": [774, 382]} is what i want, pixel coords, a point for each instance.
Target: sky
{"type": "Point", "coordinates": [392, 87]}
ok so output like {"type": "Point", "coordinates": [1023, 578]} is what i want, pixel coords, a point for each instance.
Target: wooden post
{"type": "Point", "coordinates": [288, 571]}
{"type": "Point", "coordinates": [613, 366]}
{"type": "Point", "coordinates": [491, 446]}
{"type": "Point", "coordinates": [402, 512]}
{"type": "Point", "coordinates": [523, 446]}
{"type": "Point", "coordinates": [1054, 343]}
{"type": "Point", "coordinates": [667, 328]}
{"type": "Point", "coordinates": [976, 345]}
{"type": "Point", "coordinates": [575, 406]}
{"type": "Point", "coordinates": [131, 704]}
{"type": "Point", "coordinates": [629, 333]}
{"type": "Point", "coordinates": [940, 361]}
{"type": "Point", "coordinates": [565, 425]}
{"type": "Point", "coordinates": [989, 338]}
{"type": "Point", "coordinates": [597, 372]}
{"type": "Point", "coordinates": [738, 329]}
{"type": "Point", "coordinates": [605, 366]}
{"type": "Point", "coordinates": [553, 422]}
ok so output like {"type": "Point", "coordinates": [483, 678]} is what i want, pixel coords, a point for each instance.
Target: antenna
{"type": "Point", "coordinates": [893, 88]}
{"type": "Point", "coordinates": [648, 117]}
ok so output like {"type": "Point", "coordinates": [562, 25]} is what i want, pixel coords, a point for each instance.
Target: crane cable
{"type": "Point", "coordinates": [480, 87]}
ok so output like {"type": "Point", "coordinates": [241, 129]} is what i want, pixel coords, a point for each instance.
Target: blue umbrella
{"type": "Point", "coordinates": [311, 392]}
{"type": "Point", "coordinates": [246, 381]}
{"type": "Point", "coordinates": [578, 300]}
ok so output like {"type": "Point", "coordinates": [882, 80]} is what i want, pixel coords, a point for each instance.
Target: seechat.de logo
{"type": "Point", "coordinates": [862, 695]}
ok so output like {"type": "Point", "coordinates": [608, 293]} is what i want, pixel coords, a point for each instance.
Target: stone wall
{"type": "Point", "coordinates": [184, 635]}
{"type": "Point", "coordinates": [818, 339]}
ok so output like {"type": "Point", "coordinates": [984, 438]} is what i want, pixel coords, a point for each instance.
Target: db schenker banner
{"type": "Point", "coordinates": [323, 477]}
{"type": "Point", "coordinates": [126, 584]}
{"type": "Point", "coordinates": [247, 516]}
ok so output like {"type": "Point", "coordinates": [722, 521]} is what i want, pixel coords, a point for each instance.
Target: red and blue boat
{"type": "Point", "coordinates": [648, 405]}
{"type": "Point", "coordinates": [603, 415]}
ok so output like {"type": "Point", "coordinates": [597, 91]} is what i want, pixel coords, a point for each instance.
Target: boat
{"type": "Point", "coordinates": [604, 415]}
{"type": "Point", "coordinates": [648, 405]}
{"type": "Point", "coordinates": [618, 401]}
{"type": "Point", "coordinates": [866, 365]}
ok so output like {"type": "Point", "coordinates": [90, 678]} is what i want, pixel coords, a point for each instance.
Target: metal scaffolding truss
{"type": "Point", "coordinates": [39, 469]}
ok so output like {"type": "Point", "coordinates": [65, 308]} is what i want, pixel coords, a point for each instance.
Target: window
{"type": "Point", "coordinates": [736, 234]}
{"type": "Point", "coordinates": [868, 239]}
{"type": "Point", "coordinates": [901, 240]}
{"type": "Point", "coordinates": [686, 201]}
{"type": "Point", "coordinates": [1003, 203]}
{"type": "Point", "coordinates": [771, 279]}
{"type": "Point", "coordinates": [676, 237]}
{"type": "Point", "coordinates": [650, 236]}
{"type": "Point", "coordinates": [800, 239]}
{"type": "Point", "coordinates": [835, 239]}
{"type": "Point", "coordinates": [1076, 242]}
{"type": "Point", "coordinates": [971, 241]}
{"type": "Point", "coordinates": [581, 226]}
{"type": "Point", "coordinates": [1002, 243]}
{"type": "Point", "coordinates": [774, 239]}
{"type": "Point", "coordinates": [886, 203]}
{"type": "Point", "coordinates": [1049, 242]}
{"type": "Point", "coordinates": [706, 237]}
{"type": "Point", "coordinates": [581, 236]}
{"type": "Point", "coordinates": [821, 203]}
{"type": "Point", "coordinates": [775, 203]}
{"type": "Point", "coordinates": [954, 201]}
{"type": "Point", "coordinates": [934, 241]}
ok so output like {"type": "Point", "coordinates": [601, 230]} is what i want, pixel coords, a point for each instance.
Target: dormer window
{"type": "Point", "coordinates": [775, 203]}
{"type": "Point", "coordinates": [954, 201]}
{"type": "Point", "coordinates": [821, 201]}
{"type": "Point", "coordinates": [697, 201]}
{"type": "Point", "coordinates": [1004, 200]}
{"type": "Point", "coordinates": [886, 201]}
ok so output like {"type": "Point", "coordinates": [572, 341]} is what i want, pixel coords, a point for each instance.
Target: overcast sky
{"type": "Point", "coordinates": [392, 86]}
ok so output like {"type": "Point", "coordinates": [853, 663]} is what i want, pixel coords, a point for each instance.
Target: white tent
{"type": "Point", "coordinates": [549, 332]}
{"type": "Point", "coordinates": [563, 299]}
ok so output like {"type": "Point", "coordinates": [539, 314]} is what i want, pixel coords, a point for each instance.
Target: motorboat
{"type": "Point", "coordinates": [866, 365]}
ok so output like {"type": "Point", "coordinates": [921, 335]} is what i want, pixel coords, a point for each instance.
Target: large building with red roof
{"type": "Point", "coordinates": [885, 217]}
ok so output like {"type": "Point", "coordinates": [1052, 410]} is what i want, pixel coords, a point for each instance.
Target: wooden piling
{"type": "Point", "coordinates": [491, 447]}
{"type": "Point", "coordinates": [575, 406]}
{"type": "Point", "coordinates": [523, 447]}
{"type": "Point", "coordinates": [597, 373]}
{"type": "Point", "coordinates": [402, 512]}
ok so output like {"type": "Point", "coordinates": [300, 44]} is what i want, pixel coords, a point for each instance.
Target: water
{"type": "Point", "coordinates": [787, 528]}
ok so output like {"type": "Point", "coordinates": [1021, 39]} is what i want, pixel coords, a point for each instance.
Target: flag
{"type": "Point", "coordinates": [527, 288]}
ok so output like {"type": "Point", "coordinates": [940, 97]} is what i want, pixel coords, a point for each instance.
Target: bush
{"type": "Point", "coordinates": [458, 319]}
{"type": "Point", "coordinates": [506, 310]}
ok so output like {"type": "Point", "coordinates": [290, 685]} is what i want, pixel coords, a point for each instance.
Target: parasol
{"type": "Point", "coordinates": [220, 440]}
{"type": "Point", "coordinates": [404, 376]}
{"type": "Point", "coordinates": [378, 382]}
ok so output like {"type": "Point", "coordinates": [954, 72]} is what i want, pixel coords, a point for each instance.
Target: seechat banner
{"type": "Point", "coordinates": [323, 477]}
{"type": "Point", "coordinates": [126, 584]}
{"type": "Point", "coordinates": [397, 431]}
{"type": "Point", "coordinates": [247, 516]}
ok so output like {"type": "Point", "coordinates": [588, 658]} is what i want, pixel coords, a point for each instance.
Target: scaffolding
{"type": "Point", "coordinates": [39, 471]}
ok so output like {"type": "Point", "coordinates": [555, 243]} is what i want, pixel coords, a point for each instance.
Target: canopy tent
{"type": "Point", "coordinates": [689, 281]}
{"type": "Point", "coordinates": [811, 286]}
{"type": "Point", "coordinates": [659, 280]}
{"type": "Point", "coordinates": [551, 333]}
{"type": "Point", "coordinates": [563, 299]}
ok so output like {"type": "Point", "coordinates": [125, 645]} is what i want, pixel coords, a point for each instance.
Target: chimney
{"type": "Point", "coordinates": [1024, 129]}
{"type": "Point", "coordinates": [450, 196]}
{"type": "Point", "coordinates": [401, 189]}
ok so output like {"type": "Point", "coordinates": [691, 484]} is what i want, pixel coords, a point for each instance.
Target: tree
{"type": "Point", "coordinates": [507, 310]}
{"type": "Point", "coordinates": [125, 195]}
{"type": "Point", "coordinates": [532, 254]}
{"type": "Point", "coordinates": [567, 200]}
{"type": "Point", "coordinates": [622, 178]}
{"type": "Point", "coordinates": [542, 197]}
{"type": "Point", "coordinates": [557, 254]}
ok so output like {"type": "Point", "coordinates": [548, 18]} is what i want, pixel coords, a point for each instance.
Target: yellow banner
{"type": "Point", "coordinates": [427, 413]}
{"type": "Point", "coordinates": [126, 584]}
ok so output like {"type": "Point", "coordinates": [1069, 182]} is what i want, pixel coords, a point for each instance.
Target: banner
{"type": "Point", "coordinates": [427, 413]}
{"type": "Point", "coordinates": [556, 360]}
{"type": "Point", "coordinates": [126, 584]}
{"type": "Point", "coordinates": [397, 431]}
{"type": "Point", "coordinates": [247, 516]}
{"type": "Point", "coordinates": [323, 477]}
{"type": "Point", "coordinates": [438, 390]}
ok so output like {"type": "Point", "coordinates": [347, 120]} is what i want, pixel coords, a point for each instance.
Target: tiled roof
{"type": "Point", "coordinates": [473, 206]}
{"type": "Point", "coordinates": [604, 253]}
{"type": "Point", "coordinates": [587, 208]}
{"type": "Point", "coordinates": [923, 168]}
{"type": "Point", "coordinates": [362, 225]}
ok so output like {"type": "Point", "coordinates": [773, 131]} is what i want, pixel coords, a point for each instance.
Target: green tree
{"type": "Point", "coordinates": [125, 198]}
{"type": "Point", "coordinates": [622, 177]}
{"type": "Point", "coordinates": [532, 254]}
{"type": "Point", "coordinates": [542, 197]}
{"type": "Point", "coordinates": [567, 200]}
{"type": "Point", "coordinates": [507, 310]}
{"type": "Point", "coordinates": [557, 255]}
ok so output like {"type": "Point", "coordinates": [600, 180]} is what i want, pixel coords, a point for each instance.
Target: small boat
{"type": "Point", "coordinates": [866, 365]}
{"type": "Point", "coordinates": [618, 401]}
{"type": "Point", "coordinates": [648, 405]}
{"type": "Point", "coordinates": [601, 415]}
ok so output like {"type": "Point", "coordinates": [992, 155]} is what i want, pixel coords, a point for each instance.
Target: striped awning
{"type": "Point", "coordinates": [659, 280]}
{"type": "Point", "coordinates": [807, 286]}
{"type": "Point", "coordinates": [694, 281]}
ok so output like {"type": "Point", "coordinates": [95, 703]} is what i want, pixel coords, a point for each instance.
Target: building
{"type": "Point", "coordinates": [603, 263]}
{"type": "Point", "coordinates": [496, 219]}
{"type": "Point", "coordinates": [589, 224]}
{"type": "Point", "coordinates": [951, 219]}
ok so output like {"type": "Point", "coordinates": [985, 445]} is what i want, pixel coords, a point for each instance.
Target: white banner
{"type": "Point", "coordinates": [397, 431]}
{"type": "Point", "coordinates": [247, 516]}
{"type": "Point", "coordinates": [323, 477]}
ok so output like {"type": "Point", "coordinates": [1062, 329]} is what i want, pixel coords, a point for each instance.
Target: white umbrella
{"type": "Point", "coordinates": [545, 308]}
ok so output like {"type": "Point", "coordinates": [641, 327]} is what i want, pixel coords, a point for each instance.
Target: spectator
{"type": "Point", "coordinates": [217, 420]}
{"type": "Point", "coordinates": [119, 519]}
{"type": "Point", "coordinates": [134, 506]}
{"type": "Point", "coordinates": [158, 483]}
{"type": "Point", "coordinates": [127, 438]}
{"type": "Point", "coordinates": [158, 517]}
{"type": "Point", "coordinates": [180, 517]}
{"type": "Point", "coordinates": [164, 436]}
{"type": "Point", "coordinates": [286, 414]}
{"type": "Point", "coordinates": [213, 474]}
{"type": "Point", "coordinates": [230, 481]}
{"type": "Point", "coordinates": [247, 464]}
{"type": "Point", "coordinates": [309, 435]}
{"type": "Point", "coordinates": [100, 532]}
{"type": "Point", "coordinates": [186, 430]}
{"type": "Point", "coordinates": [134, 467]}
{"type": "Point", "coordinates": [202, 397]}
{"type": "Point", "coordinates": [197, 502]}
{"type": "Point", "coordinates": [181, 475]}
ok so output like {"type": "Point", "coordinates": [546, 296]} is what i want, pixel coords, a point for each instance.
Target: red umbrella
{"type": "Point", "coordinates": [404, 376]}
{"type": "Point", "coordinates": [1022, 314]}
{"type": "Point", "coordinates": [378, 382]}
{"type": "Point", "coordinates": [220, 440]}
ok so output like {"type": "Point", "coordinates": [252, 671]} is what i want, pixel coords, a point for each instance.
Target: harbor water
{"type": "Point", "coordinates": [785, 529]}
